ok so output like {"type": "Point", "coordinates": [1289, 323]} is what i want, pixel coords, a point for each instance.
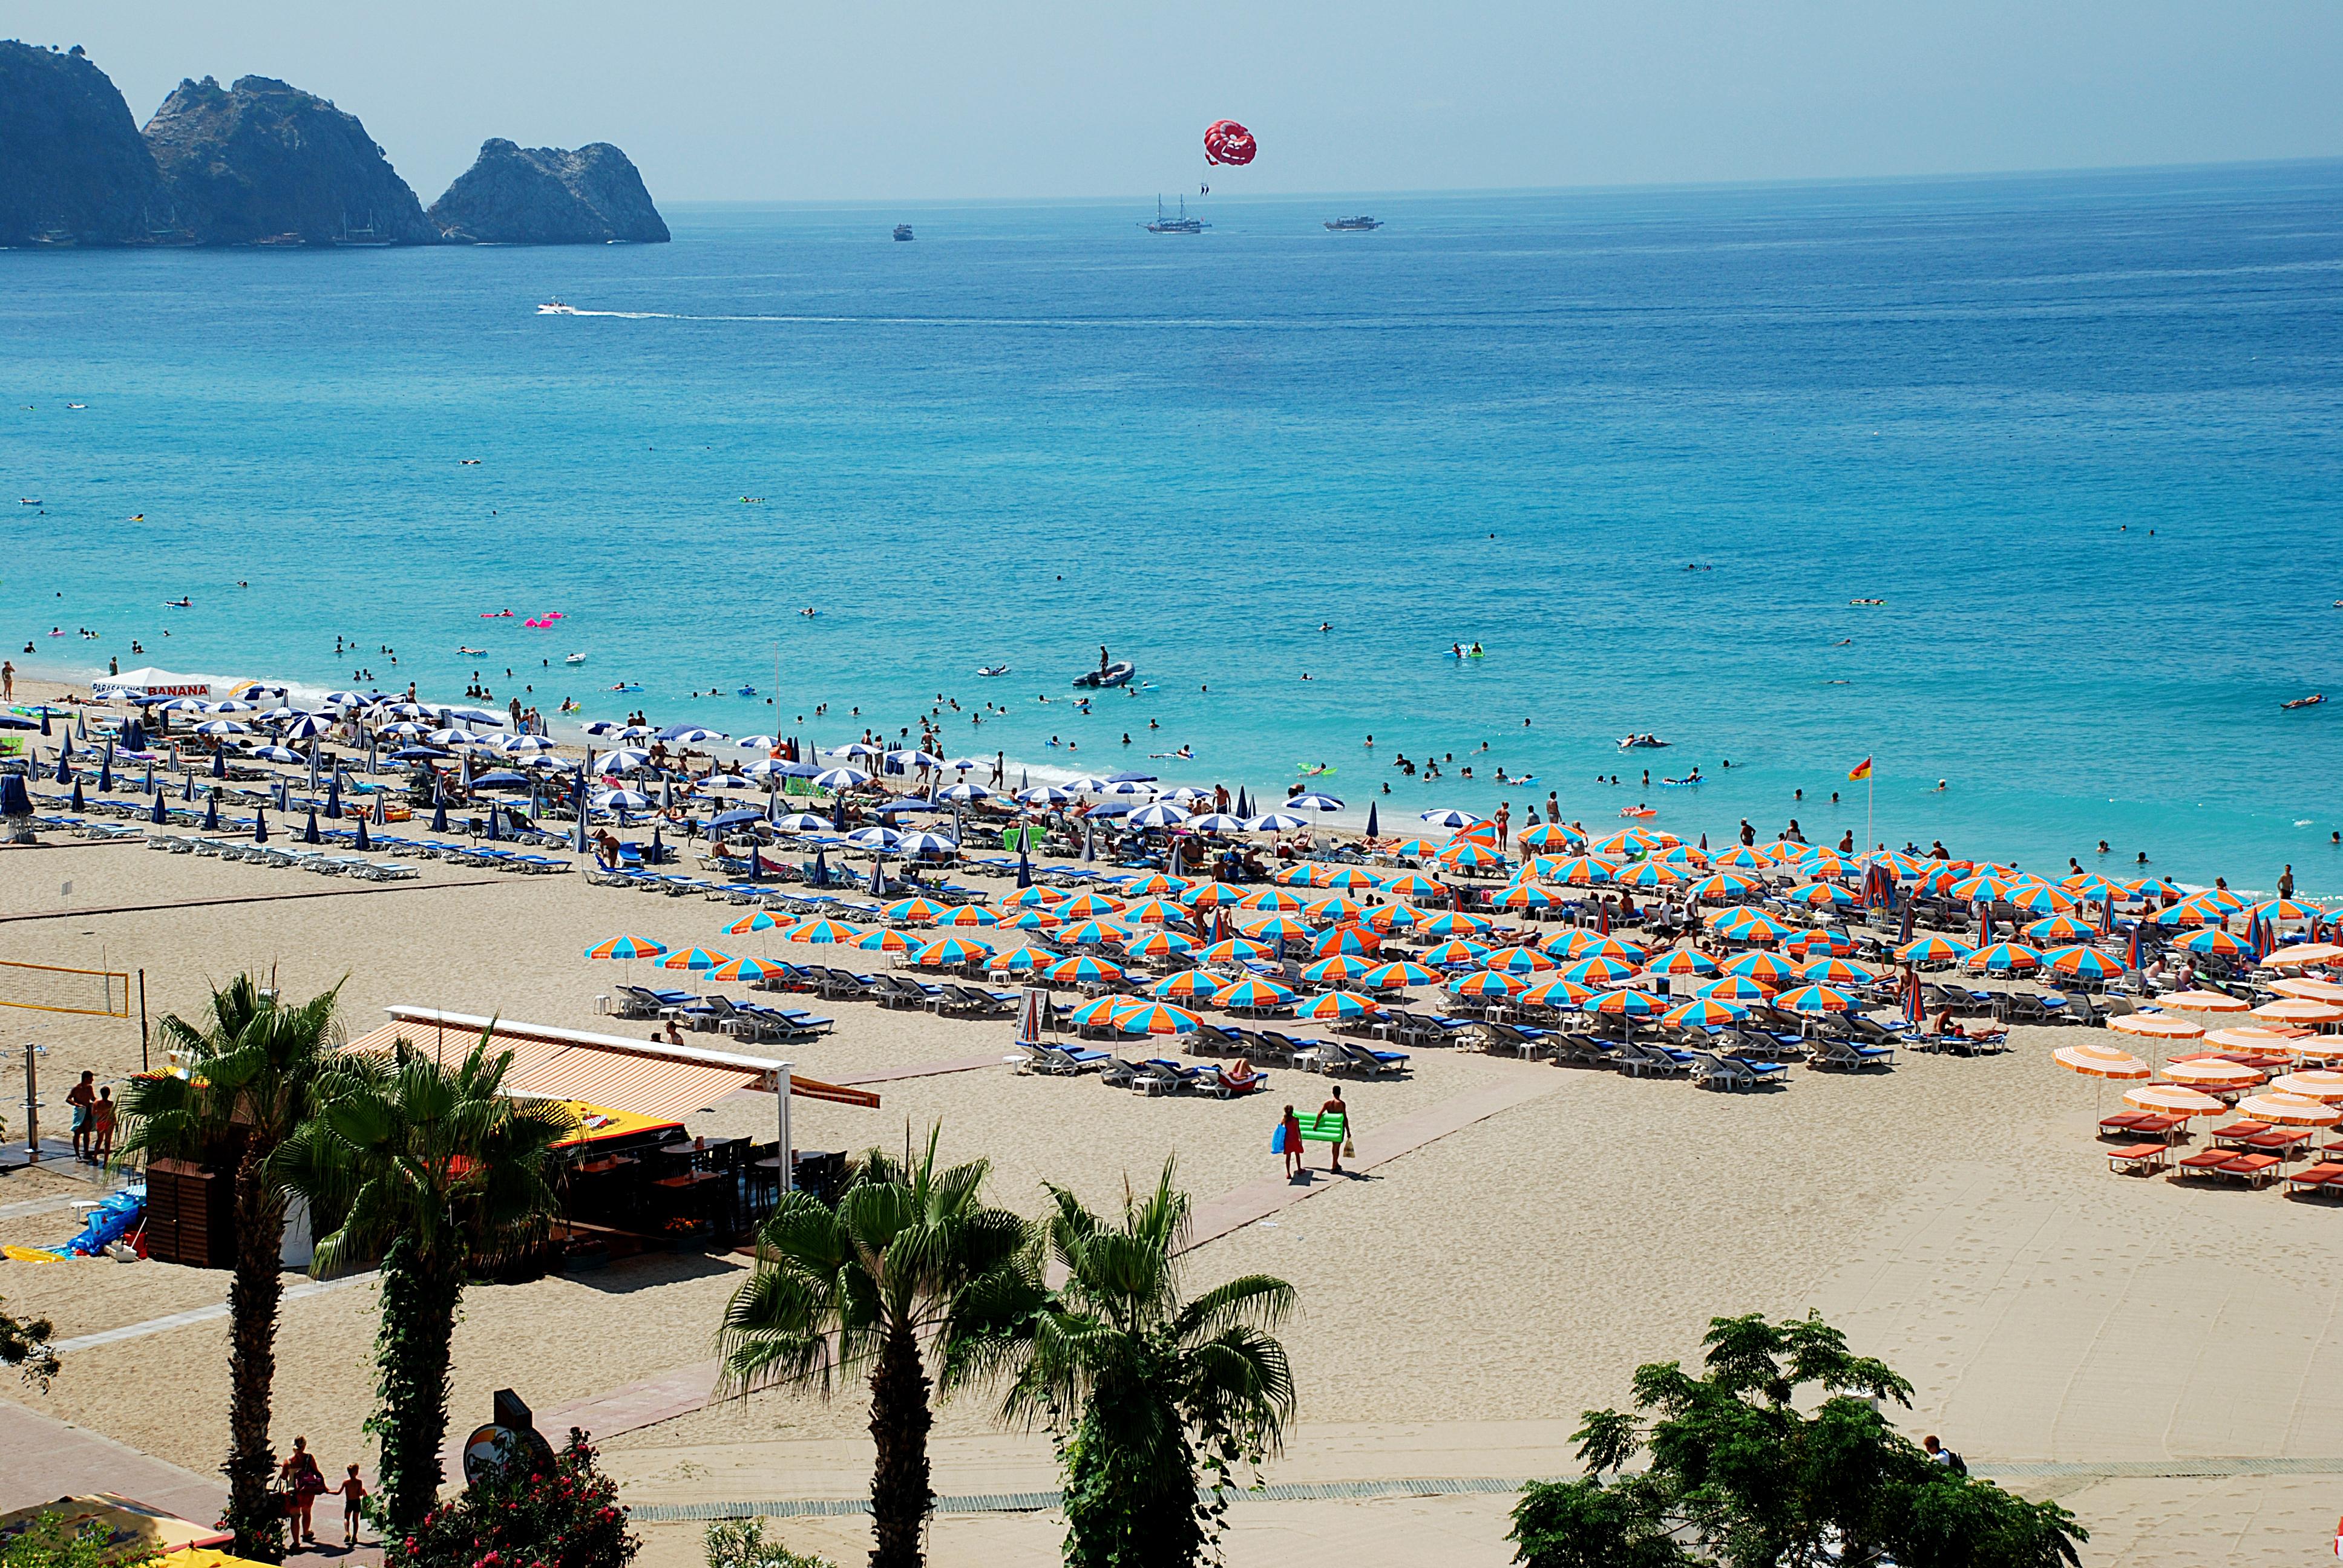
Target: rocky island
{"type": "Point", "coordinates": [261, 162]}
{"type": "Point", "coordinates": [547, 196]}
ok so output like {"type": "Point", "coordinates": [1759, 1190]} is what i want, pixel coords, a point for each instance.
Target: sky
{"type": "Point", "coordinates": [763, 100]}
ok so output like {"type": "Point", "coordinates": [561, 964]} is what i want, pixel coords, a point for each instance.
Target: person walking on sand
{"type": "Point", "coordinates": [1335, 1107]}
{"type": "Point", "coordinates": [1289, 1139]}
{"type": "Point", "coordinates": [1504, 821]}
{"type": "Point", "coordinates": [101, 1128]}
{"type": "Point", "coordinates": [353, 1492]}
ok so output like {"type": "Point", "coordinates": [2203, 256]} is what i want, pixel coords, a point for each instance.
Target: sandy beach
{"type": "Point", "coordinates": [2162, 1359]}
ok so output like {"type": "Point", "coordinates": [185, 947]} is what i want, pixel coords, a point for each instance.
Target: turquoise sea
{"type": "Point", "coordinates": [2083, 435]}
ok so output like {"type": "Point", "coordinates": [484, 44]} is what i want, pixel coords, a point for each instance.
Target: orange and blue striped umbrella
{"type": "Point", "coordinates": [822, 929]}
{"type": "Point", "coordinates": [695, 959]}
{"type": "Point", "coordinates": [1705, 1010]}
{"type": "Point", "coordinates": [1235, 949]}
{"type": "Point", "coordinates": [1415, 885]}
{"type": "Point", "coordinates": [2059, 928]}
{"type": "Point", "coordinates": [1556, 992]}
{"type": "Point", "coordinates": [1337, 1004]}
{"type": "Point", "coordinates": [1470, 855]}
{"type": "Point", "coordinates": [1037, 896]}
{"type": "Point", "coordinates": [1746, 925]}
{"type": "Point", "coordinates": [965, 915]}
{"type": "Point", "coordinates": [1396, 975]}
{"type": "Point", "coordinates": [1771, 968]}
{"type": "Point", "coordinates": [1649, 874]}
{"type": "Point", "coordinates": [1389, 919]}
{"type": "Point", "coordinates": [2276, 909]}
{"type": "Point", "coordinates": [1197, 986]}
{"type": "Point", "coordinates": [1082, 969]}
{"type": "Point", "coordinates": [1681, 962]}
{"type": "Point", "coordinates": [1456, 950]}
{"type": "Point", "coordinates": [914, 912]}
{"type": "Point", "coordinates": [762, 920]}
{"type": "Point", "coordinates": [1982, 888]}
{"type": "Point", "coordinates": [1597, 969]}
{"type": "Point", "coordinates": [1271, 899]}
{"type": "Point", "coordinates": [1625, 1004]}
{"type": "Point", "coordinates": [626, 948]}
{"type": "Point", "coordinates": [2083, 963]}
{"type": "Point", "coordinates": [1350, 878]}
{"type": "Point", "coordinates": [1488, 983]}
{"type": "Point", "coordinates": [883, 940]}
{"type": "Point", "coordinates": [1816, 999]}
{"type": "Point", "coordinates": [1550, 836]}
{"type": "Point", "coordinates": [1102, 1013]}
{"type": "Point", "coordinates": [2005, 958]}
{"type": "Point", "coordinates": [1212, 895]}
{"type": "Point", "coordinates": [1683, 857]}
{"type": "Point", "coordinates": [1517, 960]}
{"type": "Point", "coordinates": [1524, 896]}
{"type": "Point", "coordinates": [1333, 907]}
{"type": "Point", "coordinates": [1721, 886]}
{"type": "Point", "coordinates": [1584, 871]}
{"type": "Point", "coordinates": [1453, 923]}
{"type": "Point", "coordinates": [1154, 912]}
{"type": "Point", "coordinates": [1275, 928]}
{"type": "Point", "coordinates": [1627, 841]}
{"type": "Point", "coordinates": [1083, 905]}
{"type": "Point", "coordinates": [1742, 857]}
{"type": "Point", "coordinates": [1415, 849]}
{"type": "Point", "coordinates": [1301, 874]}
{"type": "Point", "coordinates": [1569, 942]}
{"type": "Point", "coordinates": [1335, 970]}
{"type": "Point", "coordinates": [1824, 896]}
{"type": "Point", "coordinates": [2214, 940]}
{"type": "Point", "coordinates": [1095, 933]}
{"type": "Point", "coordinates": [1022, 960]}
{"type": "Point", "coordinates": [1158, 944]}
{"type": "Point", "coordinates": [1347, 938]}
{"type": "Point", "coordinates": [748, 971]}
{"type": "Point", "coordinates": [2039, 899]}
{"type": "Point", "coordinates": [1831, 943]}
{"type": "Point", "coordinates": [1733, 987]}
{"type": "Point", "coordinates": [1837, 972]}
{"type": "Point", "coordinates": [1612, 946]}
{"type": "Point", "coordinates": [1255, 992]}
{"type": "Point", "coordinates": [952, 949]}
{"type": "Point", "coordinates": [1931, 948]}
{"type": "Point", "coordinates": [1031, 921]}
{"type": "Point", "coordinates": [1158, 1018]}
{"type": "Point", "coordinates": [1155, 883]}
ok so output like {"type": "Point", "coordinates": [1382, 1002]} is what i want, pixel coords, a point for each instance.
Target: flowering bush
{"type": "Point", "coordinates": [518, 1516]}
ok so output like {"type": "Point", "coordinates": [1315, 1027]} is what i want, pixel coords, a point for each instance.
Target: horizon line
{"type": "Point", "coordinates": [1611, 188]}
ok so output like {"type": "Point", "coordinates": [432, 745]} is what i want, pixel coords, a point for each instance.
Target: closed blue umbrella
{"type": "Point", "coordinates": [106, 771]}
{"type": "Point", "coordinates": [133, 735]}
{"type": "Point", "coordinates": [14, 800]}
{"type": "Point", "coordinates": [1371, 821]}
{"type": "Point", "coordinates": [219, 763]}
{"type": "Point", "coordinates": [260, 824]}
{"type": "Point", "coordinates": [44, 718]}
{"type": "Point", "coordinates": [211, 814]}
{"type": "Point", "coordinates": [363, 844]}
{"type": "Point", "coordinates": [658, 853]}
{"type": "Point", "coordinates": [148, 788]}
{"type": "Point", "coordinates": [1244, 808]}
{"type": "Point", "coordinates": [1025, 866]}
{"type": "Point", "coordinates": [161, 813]}
{"type": "Point", "coordinates": [493, 814]}
{"type": "Point", "coordinates": [439, 817]}
{"type": "Point", "coordinates": [77, 804]}
{"type": "Point", "coordinates": [64, 773]}
{"type": "Point", "coordinates": [189, 794]}
{"type": "Point", "coordinates": [309, 834]}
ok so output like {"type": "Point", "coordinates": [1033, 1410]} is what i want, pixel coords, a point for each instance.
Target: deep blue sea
{"type": "Point", "coordinates": [2083, 435]}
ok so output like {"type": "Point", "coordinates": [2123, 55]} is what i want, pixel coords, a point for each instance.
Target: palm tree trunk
{"type": "Point", "coordinates": [252, 1298]}
{"type": "Point", "coordinates": [420, 1297]}
{"type": "Point", "coordinates": [899, 1420]}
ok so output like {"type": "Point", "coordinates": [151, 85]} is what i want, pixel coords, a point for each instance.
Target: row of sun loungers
{"type": "Point", "coordinates": [2253, 1152]}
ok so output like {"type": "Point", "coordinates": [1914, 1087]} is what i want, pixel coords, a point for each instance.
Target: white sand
{"type": "Point", "coordinates": [1461, 1305]}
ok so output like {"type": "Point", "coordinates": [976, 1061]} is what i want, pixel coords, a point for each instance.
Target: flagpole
{"type": "Point", "coordinates": [1867, 787]}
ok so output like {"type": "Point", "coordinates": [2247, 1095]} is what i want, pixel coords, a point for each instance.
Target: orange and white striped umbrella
{"type": "Point", "coordinates": [2299, 1010]}
{"type": "Point", "coordinates": [2248, 1036]}
{"type": "Point", "coordinates": [2315, 989]}
{"type": "Point", "coordinates": [2302, 955]}
{"type": "Point", "coordinates": [2175, 1100]}
{"type": "Point", "coordinates": [2316, 1084]}
{"type": "Point", "coordinates": [2156, 1026]}
{"type": "Point", "coordinates": [2212, 1074]}
{"type": "Point", "coordinates": [2202, 1002]}
{"type": "Point", "coordinates": [2283, 1110]}
{"type": "Point", "coordinates": [2101, 1061]}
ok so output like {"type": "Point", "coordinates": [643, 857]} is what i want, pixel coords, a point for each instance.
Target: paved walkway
{"type": "Point", "coordinates": [139, 1330]}
{"type": "Point", "coordinates": [43, 1459]}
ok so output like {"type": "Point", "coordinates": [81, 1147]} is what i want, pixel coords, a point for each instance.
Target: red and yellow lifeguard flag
{"type": "Point", "coordinates": [1861, 770]}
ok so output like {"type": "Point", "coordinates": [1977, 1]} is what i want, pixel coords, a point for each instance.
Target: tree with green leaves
{"type": "Point", "coordinates": [246, 1081]}
{"type": "Point", "coordinates": [1740, 1475]}
{"type": "Point", "coordinates": [441, 1176]}
{"type": "Point", "coordinates": [1148, 1392]}
{"type": "Point", "coordinates": [907, 1265]}
{"type": "Point", "coordinates": [523, 1512]}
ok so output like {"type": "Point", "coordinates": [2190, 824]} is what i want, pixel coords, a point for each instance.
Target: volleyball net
{"type": "Point", "coordinates": [46, 987]}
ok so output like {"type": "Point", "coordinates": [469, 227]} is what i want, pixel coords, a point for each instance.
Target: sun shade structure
{"type": "Point", "coordinates": [2175, 1100]}
{"type": "Point", "coordinates": [645, 1077]}
{"type": "Point", "coordinates": [2282, 1110]}
{"type": "Point", "coordinates": [2156, 1026]}
{"type": "Point", "coordinates": [2101, 1061]}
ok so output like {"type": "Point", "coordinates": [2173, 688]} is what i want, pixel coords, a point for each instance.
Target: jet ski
{"type": "Point", "coordinates": [993, 669]}
{"type": "Point", "coordinates": [1119, 673]}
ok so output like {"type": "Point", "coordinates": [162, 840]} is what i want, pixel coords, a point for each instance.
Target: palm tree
{"type": "Point", "coordinates": [439, 1174]}
{"type": "Point", "coordinates": [909, 1262]}
{"type": "Point", "coordinates": [246, 1084]}
{"type": "Point", "coordinates": [1147, 1392]}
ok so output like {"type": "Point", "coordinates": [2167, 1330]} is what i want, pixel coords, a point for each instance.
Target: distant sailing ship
{"type": "Point", "coordinates": [903, 231]}
{"type": "Point", "coordinates": [1354, 225]}
{"type": "Point", "coordinates": [1184, 224]}
{"type": "Point", "coordinates": [365, 237]}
